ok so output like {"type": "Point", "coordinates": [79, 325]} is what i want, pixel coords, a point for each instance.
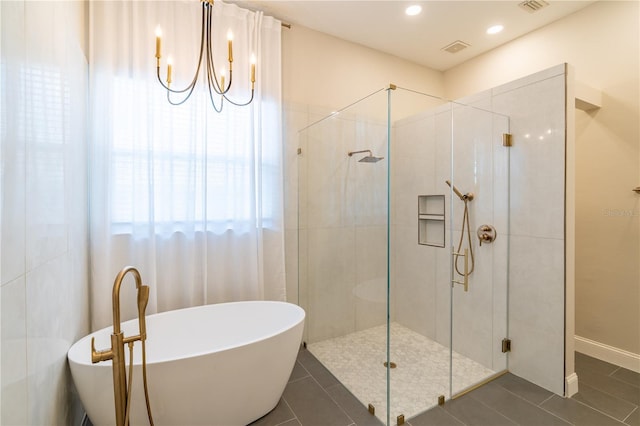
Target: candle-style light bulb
{"type": "Point", "coordinates": [230, 39]}
{"type": "Point", "coordinates": [222, 74]}
{"type": "Point", "coordinates": [169, 69]}
{"type": "Point", "coordinates": [253, 69]}
{"type": "Point", "coordinates": [158, 43]}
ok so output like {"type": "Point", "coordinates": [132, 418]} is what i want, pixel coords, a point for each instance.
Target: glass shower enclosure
{"type": "Point", "coordinates": [403, 256]}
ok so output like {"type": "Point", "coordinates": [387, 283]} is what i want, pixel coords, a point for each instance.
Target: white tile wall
{"type": "Point", "coordinates": [342, 236]}
{"type": "Point", "coordinates": [14, 353]}
{"type": "Point", "coordinates": [536, 107]}
{"type": "Point", "coordinates": [44, 289]}
{"type": "Point", "coordinates": [421, 281]}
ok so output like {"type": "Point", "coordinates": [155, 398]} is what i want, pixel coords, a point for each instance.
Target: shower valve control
{"type": "Point", "coordinates": [487, 234]}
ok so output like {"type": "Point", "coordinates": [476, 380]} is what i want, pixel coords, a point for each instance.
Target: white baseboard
{"type": "Point", "coordinates": [571, 385]}
{"type": "Point", "coordinates": [607, 353]}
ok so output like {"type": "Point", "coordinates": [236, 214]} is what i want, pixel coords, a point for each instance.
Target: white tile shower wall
{"type": "Point", "coordinates": [536, 107]}
{"type": "Point", "coordinates": [13, 148]}
{"type": "Point", "coordinates": [478, 153]}
{"type": "Point", "coordinates": [421, 274]}
{"type": "Point", "coordinates": [14, 353]}
{"type": "Point", "coordinates": [536, 320]}
{"type": "Point", "coordinates": [443, 269]}
{"type": "Point", "coordinates": [44, 275]}
{"type": "Point", "coordinates": [413, 278]}
{"type": "Point", "coordinates": [342, 227]}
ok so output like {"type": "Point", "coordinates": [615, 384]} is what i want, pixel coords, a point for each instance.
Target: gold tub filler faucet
{"type": "Point", "coordinates": [122, 395]}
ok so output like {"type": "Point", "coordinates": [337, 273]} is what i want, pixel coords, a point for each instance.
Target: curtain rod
{"type": "Point", "coordinates": [287, 26]}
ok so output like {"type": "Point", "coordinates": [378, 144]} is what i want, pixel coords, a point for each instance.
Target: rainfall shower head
{"type": "Point", "coordinates": [368, 159]}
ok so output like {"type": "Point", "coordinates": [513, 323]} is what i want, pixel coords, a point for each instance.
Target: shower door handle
{"type": "Point", "coordinates": [465, 281]}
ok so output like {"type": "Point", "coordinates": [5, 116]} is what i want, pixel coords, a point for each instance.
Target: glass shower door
{"type": "Point", "coordinates": [419, 336]}
{"type": "Point", "coordinates": [478, 196]}
{"type": "Point", "coordinates": [343, 245]}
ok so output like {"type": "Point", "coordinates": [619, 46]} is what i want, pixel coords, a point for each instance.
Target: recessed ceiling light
{"type": "Point", "coordinates": [495, 29]}
{"type": "Point", "coordinates": [413, 10]}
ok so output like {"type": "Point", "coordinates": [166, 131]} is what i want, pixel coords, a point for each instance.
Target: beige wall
{"type": "Point", "coordinates": [325, 71]}
{"type": "Point", "coordinates": [601, 43]}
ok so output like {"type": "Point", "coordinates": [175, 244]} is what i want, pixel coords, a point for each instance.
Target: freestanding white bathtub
{"type": "Point", "coordinates": [224, 364]}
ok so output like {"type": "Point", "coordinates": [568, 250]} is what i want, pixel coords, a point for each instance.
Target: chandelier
{"type": "Point", "coordinates": [217, 88]}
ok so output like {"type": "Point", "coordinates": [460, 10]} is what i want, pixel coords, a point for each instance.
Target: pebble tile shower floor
{"type": "Point", "coordinates": [421, 375]}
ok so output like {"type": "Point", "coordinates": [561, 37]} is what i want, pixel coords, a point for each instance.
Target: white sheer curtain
{"type": "Point", "coordinates": [190, 197]}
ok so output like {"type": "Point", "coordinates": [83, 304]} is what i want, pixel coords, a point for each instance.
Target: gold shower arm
{"type": "Point", "coordinates": [636, 189]}
{"type": "Point", "coordinates": [360, 152]}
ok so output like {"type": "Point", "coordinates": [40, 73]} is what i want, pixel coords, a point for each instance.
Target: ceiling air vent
{"type": "Point", "coordinates": [533, 5]}
{"type": "Point", "coordinates": [456, 46]}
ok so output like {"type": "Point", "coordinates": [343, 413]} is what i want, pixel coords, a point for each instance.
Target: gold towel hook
{"type": "Point", "coordinates": [636, 189]}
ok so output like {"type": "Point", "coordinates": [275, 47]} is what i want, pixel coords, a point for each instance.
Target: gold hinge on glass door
{"type": "Point", "coordinates": [506, 345]}
{"type": "Point", "coordinates": [507, 139]}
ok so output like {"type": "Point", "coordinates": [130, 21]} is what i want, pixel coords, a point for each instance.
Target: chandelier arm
{"type": "Point", "coordinates": [230, 81]}
{"type": "Point", "coordinates": [211, 69]}
{"type": "Point", "coordinates": [212, 78]}
{"type": "Point", "coordinates": [240, 104]}
{"type": "Point", "coordinates": [174, 103]}
{"type": "Point", "coordinates": [189, 88]}
{"type": "Point", "coordinates": [191, 85]}
{"type": "Point", "coordinates": [218, 110]}
{"type": "Point", "coordinates": [211, 83]}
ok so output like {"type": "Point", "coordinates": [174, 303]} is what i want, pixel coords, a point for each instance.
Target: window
{"type": "Point", "coordinates": [185, 167]}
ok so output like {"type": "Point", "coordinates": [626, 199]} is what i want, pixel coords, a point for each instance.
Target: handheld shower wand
{"type": "Point", "coordinates": [467, 196]}
{"type": "Point", "coordinates": [465, 223]}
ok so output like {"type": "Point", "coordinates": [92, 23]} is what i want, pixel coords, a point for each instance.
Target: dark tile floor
{"type": "Point", "coordinates": [609, 395]}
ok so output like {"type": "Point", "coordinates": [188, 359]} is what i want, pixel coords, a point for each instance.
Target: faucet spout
{"type": "Point", "coordinates": [116, 352]}
{"type": "Point", "coordinates": [116, 294]}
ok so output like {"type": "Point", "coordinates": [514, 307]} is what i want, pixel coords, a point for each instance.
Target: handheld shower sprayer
{"type": "Point", "coordinates": [468, 196]}
{"type": "Point", "coordinates": [143, 300]}
{"type": "Point", "coordinates": [468, 253]}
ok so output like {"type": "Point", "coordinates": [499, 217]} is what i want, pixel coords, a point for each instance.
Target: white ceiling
{"type": "Point", "coordinates": [383, 25]}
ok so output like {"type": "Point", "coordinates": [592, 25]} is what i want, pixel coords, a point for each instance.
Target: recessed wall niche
{"type": "Point", "coordinates": [431, 223]}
